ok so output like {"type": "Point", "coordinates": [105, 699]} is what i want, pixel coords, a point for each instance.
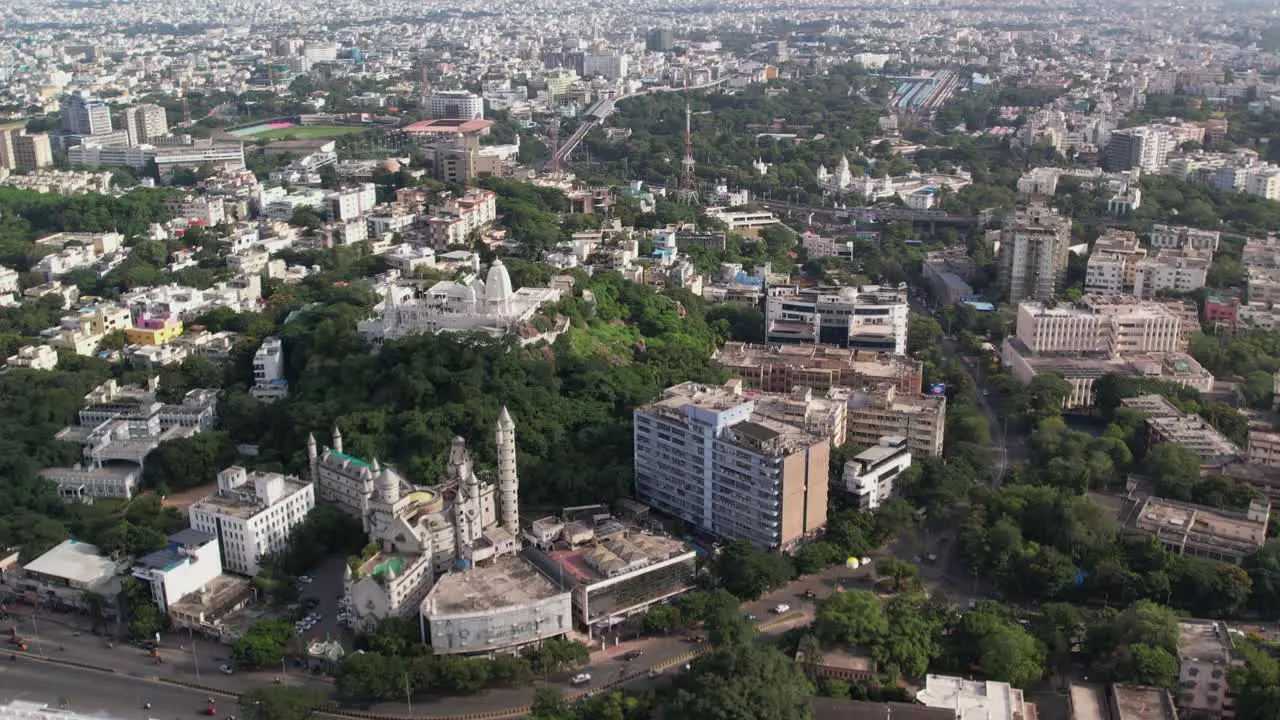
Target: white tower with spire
{"type": "Point", "coordinates": [337, 439]}
{"type": "Point", "coordinates": [508, 480]}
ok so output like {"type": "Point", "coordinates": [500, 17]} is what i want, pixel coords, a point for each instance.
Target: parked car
{"type": "Point", "coordinates": [225, 669]}
{"type": "Point", "coordinates": [781, 608]}
{"type": "Point", "coordinates": [581, 679]}
{"type": "Point", "coordinates": [632, 655]}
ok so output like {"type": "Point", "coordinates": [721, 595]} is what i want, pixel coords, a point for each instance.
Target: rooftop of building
{"type": "Point", "coordinates": [1230, 531]}
{"type": "Point", "coordinates": [443, 126]}
{"type": "Point", "coordinates": [740, 354]}
{"type": "Point", "coordinates": [1204, 640]}
{"type": "Point", "coordinates": [975, 699]}
{"type": "Point", "coordinates": [246, 501]}
{"type": "Point", "coordinates": [75, 561]}
{"type": "Point", "coordinates": [1142, 702]}
{"type": "Point", "coordinates": [508, 581]}
{"type": "Point", "coordinates": [216, 598]}
{"type": "Point", "coordinates": [832, 709]}
{"type": "Point", "coordinates": [842, 659]}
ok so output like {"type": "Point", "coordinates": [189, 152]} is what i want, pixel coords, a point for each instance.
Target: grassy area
{"type": "Point", "coordinates": [302, 132]}
{"type": "Point", "coordinates": [600, 339]}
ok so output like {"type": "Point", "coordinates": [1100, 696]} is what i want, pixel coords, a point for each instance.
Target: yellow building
{"type": "Point", "coordinates": [154, 336]}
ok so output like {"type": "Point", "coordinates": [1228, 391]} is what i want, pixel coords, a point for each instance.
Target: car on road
{"type": "Point", "coordinates": [750, 617]}
{"type": "Point", "coordinates": [581, 679]}
{"type": "Point", "coordinates": [225, 669]}
{"type": "Point", "coordinates": [781, 608]}
{"type": "Point", "coordinates": [632, 655]}
{"type": "Point", "coordinates": [810, 594]}
{"type": "Point", "coordinates": [306, 579]}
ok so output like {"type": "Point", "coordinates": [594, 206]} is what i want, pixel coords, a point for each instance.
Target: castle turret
{"type": "Point", "coordinates": [459, 461]}
{"type": "Point", "coordinates": [337, 439]}
{"type": "Point", "coordinates": [388, 484]}
{"type": "Point", "coordinates": [312, 457]}
{"type": "Point", "coordinates": [508, 480]}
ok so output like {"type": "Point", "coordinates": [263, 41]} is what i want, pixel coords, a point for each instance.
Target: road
{"type": "Point", "coordinates": [93, 693]}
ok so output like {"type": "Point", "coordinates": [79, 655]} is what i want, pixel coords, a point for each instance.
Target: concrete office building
{"type": "Point", "coordinates": [703, 454]}
{"type": "Point", "coordinates": [269, 383]}
{"type": "Point", "coordinates": [1184, 528]}
{"type": "Point", "coordinates": [191, 560]}
{"type": "Point", "coordinates": [861, 318]}
{"type": "Point", "coordinates": [251, 514]}
{"type": "Point", "coordinates": [1119, 701]}
{"type": "Point", "coordinates": [455, 105]}
{"type": "Point", "coordinates": [1166, 423]}
{"type": "Point", "coordinates": [660, 40]}
{"type": "Point", "coordinates": [778, 369]}
{"type": "Point", "coordinates": [1106, 325]}
{"type": "Point", "coordinates": [60, 578]}
{"type": "Point", "coordinates": [615, 568]}
{"type": "Point", "coordinates": [1206, 654]}
{"type": "Point", "coordinates": [1034, 242]}
{"type": "Point", "coordinates": [353, 202]}
{"type": "Point", "coordinates": [85, 115]}
{"type": "Point", "coordinates": [883, 411]}
{"type": "Point", "coordinates": [1084, 371]}
{"type": "Point", "coordinates": [501, 606]}
{"type": "Point", "coordinates": [869, 477]}
{"type": "Point", "coordinates": [608, 65]}
{"type": "Point", "coordinates": [144, 123]}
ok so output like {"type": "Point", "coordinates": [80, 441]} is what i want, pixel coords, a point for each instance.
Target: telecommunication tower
{"type": "Point", "coordinates": [688, 183]}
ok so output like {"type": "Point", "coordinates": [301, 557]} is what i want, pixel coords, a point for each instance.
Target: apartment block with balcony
{"type": "Point", "coordinates": [780, 368]}
{"type": "Point", "coordinates": [705, 455]}
{"type": "Point", "coordinates": [1174, 270]}
{"type": "Point", "coordinates": [1206, 654]}
{"type": "Point", "coordinates": [1034, 242]}
{"type": "Point", "coordinates": [1113, 263]}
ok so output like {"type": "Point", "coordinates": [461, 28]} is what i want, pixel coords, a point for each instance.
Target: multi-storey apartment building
{"type": "Point", "coordinates": [1177, 237]}
{"type": "Point", "coordinates": [883, 411]}
{"type": "Point", "coordinates": [1113, 263]}
{"type": "Point", "coordinates": [863, 318]}
{"type": "Point", "coordinates": [1111, 325]}
{"type": "Point", "coordinates": [1206, 654]}
{"type": "Point", "coordinates": [251, 515]}
{"type": "Point", "coordinates": [269, 383]}
{"type": "Point", "coordinates": [1033, 252]}
{"type": "Point", "coordinates": [1175, 270]}
{"type": "Point", "coordinates": [703, 454]}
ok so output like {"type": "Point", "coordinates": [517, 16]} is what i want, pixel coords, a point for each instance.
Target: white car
{"type": "Point", "coordinates": [306, 579]}
{"type": "Point", "coordinates": [226, 669]}
{"type": "Point", "coordinates": [781, 608]}
{"type": "Point", "coordinates": [581, 679]}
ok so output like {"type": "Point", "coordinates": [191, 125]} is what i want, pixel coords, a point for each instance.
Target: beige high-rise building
{"type": "Point", "coordinates": [1115, 325]}
{"type": "Point", "coordinates": [31, 151]}
{"type": "Point", "coordinates": [1033, 252]}
{"type": "Point", "coordinates": [705, 455]}
{"type": "Point", "coordinates": [145, 123]}
{"type": "Point", "coordinates": [1113, 263]}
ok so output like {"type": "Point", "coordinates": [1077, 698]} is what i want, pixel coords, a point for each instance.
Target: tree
{"type": "Point", "coordinates": [262, 645]}
{"type": "Point", "coordinates": [279, 702]}
{"type": "Point", "coordinates": [1012, 655]}
{"type": "Point", "coordinates": [1174, 468]}
{"type": "Point", "coordinates": [913, 637]}
{"type": "Point", "coordinates": [1256, 684]}
{"type": "Point", "coordinates": [899, 571]}
{"type": "Point", "coordinates": [1147, 665]}
{"type": "Point", "coordinates": [664, 619]}
{"type": "Point", "coordinates": [548, 704]}
{"type": "Point", "coordinates": [728, 626]}
{"type": "Point", "coordinates": [555, 655]}
{"type": "Point", "coordinates": [923, 333]}
{"type": "Point", "coordinates": [748, 572]}
{"type": "Point", "coordinates": [184, 463]}
{"type": "Point", "coordinates": [853, 617]}
{"type": "Point", "coordinates": [741, 683]}
{"type": "Point", "coordinates": [1263, 567]}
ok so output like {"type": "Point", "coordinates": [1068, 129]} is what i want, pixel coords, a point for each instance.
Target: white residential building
{"type": "Point", "coordinates": [975, 699]}
{"type": "Point", "coordinates": [251, 514]}
{"type": "Point", "coordinates": [8, 281]}
{"type": "Point", "coordinates": [454, 222]}
{"type": "Point", "coordinates": [1170, 270]}
{"type": "Point", "coordinates": [352, 202]}
{"type": "Point", "coordinates": [871, 474]}
{"type": "Point", "coordinates": [869, 318]}
{"type": "Point", "coordinates": [190, 561]}
{"type": "Point", "coordinates": [1113, 263]}
{"type": "Point", "coordinates": [34, 357]}
{"type": "Point", "coordinates": [269, 383]}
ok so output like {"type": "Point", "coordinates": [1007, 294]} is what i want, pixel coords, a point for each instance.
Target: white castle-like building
{"type": "Point", "coordinates": [420, 532]}
{"type": "Point", "coordinates": [917, 190]}
{"type": "Point", "coordinates": [488, 305]}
